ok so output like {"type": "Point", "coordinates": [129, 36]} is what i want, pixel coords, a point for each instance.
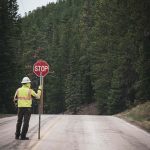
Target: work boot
{"type": "Point", "coordinates": [24, 138]}
{"type": "Point", "coordinates": [17, 137]}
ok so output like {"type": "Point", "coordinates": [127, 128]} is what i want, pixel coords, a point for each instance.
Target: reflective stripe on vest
{"type": "Point", "coordinates": [28, 97]}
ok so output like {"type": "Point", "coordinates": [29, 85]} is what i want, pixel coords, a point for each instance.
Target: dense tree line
{"type": "Point", "coordinates": [99, 50]}
{"type": "Point", "coordinates": [9, 53]}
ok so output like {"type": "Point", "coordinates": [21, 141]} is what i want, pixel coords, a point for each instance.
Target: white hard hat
{"type": "Point", "coordinates": [25, 80]}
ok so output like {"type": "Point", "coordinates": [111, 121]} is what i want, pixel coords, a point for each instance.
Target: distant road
{"type": "Point", "coordinates": [70, 132]}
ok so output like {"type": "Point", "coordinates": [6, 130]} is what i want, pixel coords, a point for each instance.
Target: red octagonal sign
{"type": "Point", "coordinates": [41, 68]}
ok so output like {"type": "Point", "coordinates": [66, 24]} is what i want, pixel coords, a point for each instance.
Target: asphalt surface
{"type": "Point", "coordinates": [70, 132]}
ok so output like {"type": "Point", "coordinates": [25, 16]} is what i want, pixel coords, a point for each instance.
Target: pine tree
{"type": "Point", "coordinates": [86, 24]}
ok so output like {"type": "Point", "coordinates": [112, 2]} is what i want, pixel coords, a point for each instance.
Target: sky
{"type": "Point", "coordinates": [29, 5]}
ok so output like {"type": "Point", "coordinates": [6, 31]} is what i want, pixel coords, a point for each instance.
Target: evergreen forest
{"type": "Point", "coordinates": [98, 51]}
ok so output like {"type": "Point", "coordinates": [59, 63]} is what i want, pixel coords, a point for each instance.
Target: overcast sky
{"type": "Point", "coordinates": [29, 5]}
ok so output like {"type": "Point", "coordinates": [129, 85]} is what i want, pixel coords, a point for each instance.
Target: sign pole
{"type": "Point", "coordinates": [42, 82]}
{"type": "Point", "coordinates": [39, 122]}
{"type": "Point", "coordinates": [40, 105]}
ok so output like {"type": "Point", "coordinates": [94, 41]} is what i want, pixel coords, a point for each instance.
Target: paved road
{"type": "Point", "coordinates": [68, 132]}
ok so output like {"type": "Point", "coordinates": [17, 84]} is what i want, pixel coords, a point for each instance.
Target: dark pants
{"type": "Point", "coordinates": [23, 115]}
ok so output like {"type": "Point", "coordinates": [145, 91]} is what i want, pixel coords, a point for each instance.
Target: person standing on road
{"type": "Point", "coordinates": [23, 98]}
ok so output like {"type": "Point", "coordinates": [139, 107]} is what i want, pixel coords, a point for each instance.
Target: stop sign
{"type": "Point", "coordinates": [41, 68]}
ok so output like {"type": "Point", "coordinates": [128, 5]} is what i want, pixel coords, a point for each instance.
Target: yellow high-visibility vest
{"type": "Point", "coordinates": [24, 96]}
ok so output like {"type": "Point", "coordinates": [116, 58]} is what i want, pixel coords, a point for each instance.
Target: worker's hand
{"type": "Point", "coordinates": [40, 87]}
{"type": "Point", "coordinates": [15, 102]}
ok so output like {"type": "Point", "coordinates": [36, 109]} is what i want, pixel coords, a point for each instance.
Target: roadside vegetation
{"type": "Point", "coordinates": [138, 115]}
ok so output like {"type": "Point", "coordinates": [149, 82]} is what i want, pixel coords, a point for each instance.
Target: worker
{"type": "Point", "coordinates": [23, 97]}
